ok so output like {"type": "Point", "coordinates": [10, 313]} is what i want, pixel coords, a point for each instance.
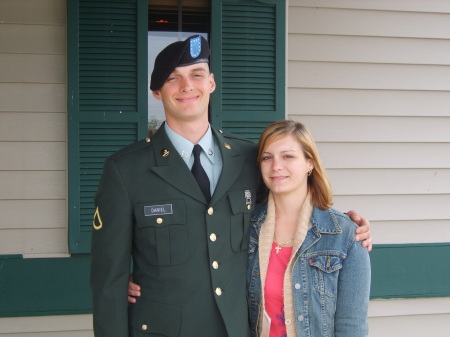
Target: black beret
{"type": "Point", "coordinates": [194, 49]}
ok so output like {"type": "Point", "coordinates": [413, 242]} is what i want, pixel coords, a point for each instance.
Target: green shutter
{"type": "Point", "coordinates": [248, 62]}
{"type": "Point", "coordinates": [107, 95]}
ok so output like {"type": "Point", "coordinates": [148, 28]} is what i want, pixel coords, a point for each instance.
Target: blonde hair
{"type": "Point", "coordinates": [319, 186]}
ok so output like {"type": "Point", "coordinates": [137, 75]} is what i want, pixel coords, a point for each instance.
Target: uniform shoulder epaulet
{"type": "Point", "coordinates": [230, 135]}
{"type": "Point", "coordinates": [131, 148]}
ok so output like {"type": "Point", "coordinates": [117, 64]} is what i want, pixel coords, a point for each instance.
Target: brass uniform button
{"type": "Point", "coordinates": [215, 265]}
{"type": "Point", "coordinates": [213, 237]}
{"type": "Point", "coordinates": [227, 146]}
{"type": "Point", "coordinates": [218, 291]}
{"type": "Point", "coordinates": [249, 206]}
{"type": "Point", "coordinates": [144, 327]}
{"type": "Point", "coordinates": [147, 140]}
{"type": "Point", "coordinates": [159, 221]}
{"type": "Point", "coordinates": [210, 211]}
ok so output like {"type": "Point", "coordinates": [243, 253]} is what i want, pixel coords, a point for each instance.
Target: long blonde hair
{"type": "Point", "coordinates": [318, 184]}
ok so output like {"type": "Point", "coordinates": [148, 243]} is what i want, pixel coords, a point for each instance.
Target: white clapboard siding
{"type": "Point", "coordinates": [30, 38]}
{"type": "Point", "coordinates": [398, 207]}
{"type": "Point", "coordinates": [311, 101]}
{"type": "Point", "coordinates": [33, 126]}
{"type": "Point", "coordinates": [368, 76]}
{"type": "Point", "coordinates": [385, 155]}
{"type": "Point", "coordinates": [419, 231]}
{"type": "Point", "coordinates": [332, 21]}
{"type": "Point", "coordinates": [365, 49]}
{"type": "Point", "coordinates": [40, 97]}
{"type": "Point", "coordinates": [388, 181]}
{"type": "Point", "coordinates": [32, 156]}
{"type": "Point", "coordinates": [34, 12]}
{"type": "Point", "coordinates": [432, 6]}
{"type": "Point", "coordinates": [40, 185]}
{"type": "Point", "coordinates": [57, 326]}
{"type": "Point", "coordinates": [33, 241]}
{"type": "Point", "coordinates": [377, 129]}
{"type": "Point", "coordinates": [33, 214]}
{"type": "Point", "coordinates": [33, 68]}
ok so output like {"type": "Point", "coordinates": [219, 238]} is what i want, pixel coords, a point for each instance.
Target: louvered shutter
{"type": "Point", "coordinates": [107, 88]}
{"type": "Point", "coordinates": [248, 62]}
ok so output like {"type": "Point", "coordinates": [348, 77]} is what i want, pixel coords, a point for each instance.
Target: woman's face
{"type": "Point", "coordinates": [284, 167]}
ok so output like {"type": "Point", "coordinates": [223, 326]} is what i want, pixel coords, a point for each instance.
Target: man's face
{"type": "Point", "coordinates": [185, 94]}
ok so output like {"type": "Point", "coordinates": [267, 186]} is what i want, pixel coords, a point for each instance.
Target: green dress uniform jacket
{"type": "Point", "coordinates": [189, 256]}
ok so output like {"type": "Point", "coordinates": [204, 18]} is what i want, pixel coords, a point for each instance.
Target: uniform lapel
{"type": "Point", "coordinates": [232, 165]}
{"type": "Point", "coordinates": [171, 167]}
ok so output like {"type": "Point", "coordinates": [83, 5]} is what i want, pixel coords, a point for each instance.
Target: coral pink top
{"type": "Point", "coordinates": [273, 289]}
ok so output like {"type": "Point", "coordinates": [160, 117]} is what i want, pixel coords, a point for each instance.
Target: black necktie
{"type": "Point", "coordinates": [199, 173]}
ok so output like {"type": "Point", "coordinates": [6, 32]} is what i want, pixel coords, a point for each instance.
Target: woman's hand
{"type": "Point", "coordinates": [363, 231]}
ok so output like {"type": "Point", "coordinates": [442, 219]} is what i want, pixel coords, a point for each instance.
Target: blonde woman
{"type": "Point", "coordinates": [307, 275]}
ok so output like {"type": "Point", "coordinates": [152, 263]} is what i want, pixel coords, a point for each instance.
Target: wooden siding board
{"type": "Point", "coordinates": [413, 231]}
{"type": "Point", "coordinates": [49, 12]}
{"type": "Point", "coordinates": [28, 156]}
{"type": "Point", "coordinates": [36, 39]}
{"type": "Point", "coordinates": [45, 323]}
{"type": "Point", "coordinates": [398, 207]}
{"type": "Point", "coordinates": [411, 326]}
{"type": "Point", "coordinates": [389, 181]}
{"type": "Point", "coordinates": [333, 48]}
{"type": "Point", "coordinates": [368, 76]}
{"type": "Point", "coordinates": [26, 127]}
{"type": "Point", "coordinates": [331, 21]}
{"type": "Point", "coordinates": [33, 214]}
{"type": "Point", "coordinates": [33, 68]}
{"type": "Point", "coordinates": [409, 306]}
{"type": "Point", "coordinates": [378, 129]}
{"type": "Point", "coordinates": [37, 185]}
{"type": "Point", "coordinates": [39, 97]}
{"type": "Point", "coordinates": [342, 102]}
{"type": "Point", "coordinates": [33, 241]}
{"type": "Point", "coordinates": [432, 6]}
{"type": "Point", "coordinates": [385, 155]}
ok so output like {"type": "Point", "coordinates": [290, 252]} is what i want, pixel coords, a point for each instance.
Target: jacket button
{"type": "Point", "coordinates": [159, 221]}
{"type": "Point", "coordinates": [218, 291]}
{"type": "Point", "coordinates": [300, 318]}
{"type": "Point", "coordinates": [210, 211]}
{"type": "Point", "coordinates": [297, 286]}
{"type": "Point", "coordinates": [215, 265]}
{"type": "Point", "coordinates": [144, 327]}
{"type": "Point", "coordinates": [213, 237]}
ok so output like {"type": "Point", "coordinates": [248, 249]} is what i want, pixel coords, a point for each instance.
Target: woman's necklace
{"type": "Point", "coordinates": [278, 247]}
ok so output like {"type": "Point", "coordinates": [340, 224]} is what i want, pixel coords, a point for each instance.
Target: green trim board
{"type": "Point", "coordinates": [248, 62]}
{"type": "Point", "coordinates": [410, 271]}
{"type": "Point", "coordinates": [41, 287]}
{"type": "Point", "coordinates": [60, 286]}
{"type": "Point", "coordinates": [107, 101]}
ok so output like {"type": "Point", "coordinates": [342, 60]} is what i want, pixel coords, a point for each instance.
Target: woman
{"type": "Point", "coordinates": [299, 244]}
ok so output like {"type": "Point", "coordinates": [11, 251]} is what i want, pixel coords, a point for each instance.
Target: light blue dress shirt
{"type": "Point", "coordinates": [210, 157]}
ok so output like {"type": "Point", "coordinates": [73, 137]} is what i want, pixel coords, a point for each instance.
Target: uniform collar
{"type": "Point", "coordinates": [184, 147]}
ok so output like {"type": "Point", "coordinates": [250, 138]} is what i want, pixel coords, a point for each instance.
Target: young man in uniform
{"type": "Point", "coordinates": [179, 204]}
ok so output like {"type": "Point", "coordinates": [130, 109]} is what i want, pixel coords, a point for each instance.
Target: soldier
{"type": "Point", "coordinates": [186, 231]}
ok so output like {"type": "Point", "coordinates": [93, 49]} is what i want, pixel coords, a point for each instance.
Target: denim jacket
{"type": "Point", "coordinates": [330, 277]}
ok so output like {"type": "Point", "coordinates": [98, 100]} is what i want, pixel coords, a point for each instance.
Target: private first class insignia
{"type": "Point", "coordinates": [98, 224]}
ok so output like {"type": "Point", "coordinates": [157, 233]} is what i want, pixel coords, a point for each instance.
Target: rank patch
{"type": "Point", "coordinates": [97, 223]}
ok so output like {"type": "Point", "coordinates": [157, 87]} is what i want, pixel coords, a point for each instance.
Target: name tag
{"type": "Point", "coordinates": [158, 210]}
